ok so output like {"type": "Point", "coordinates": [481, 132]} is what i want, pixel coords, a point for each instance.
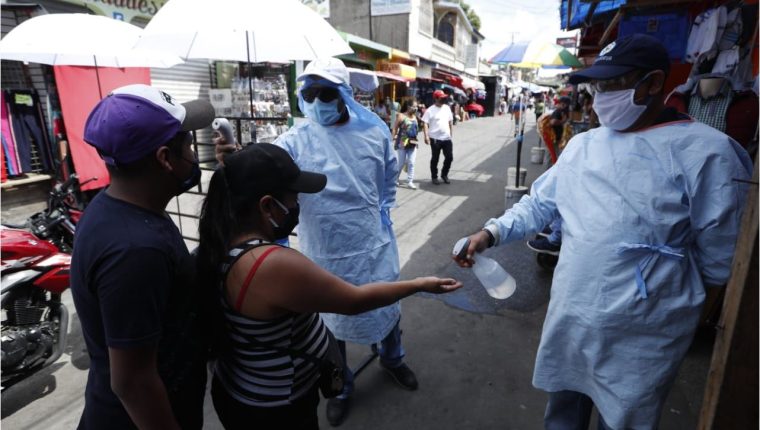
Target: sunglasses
{"type": "Point", "coordinates": [620, 83]}
{"type": "Point", "coordinates": [325, 94]}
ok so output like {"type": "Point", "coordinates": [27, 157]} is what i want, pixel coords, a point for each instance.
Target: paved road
{"type": "Point", "coordinates": [473, 355]}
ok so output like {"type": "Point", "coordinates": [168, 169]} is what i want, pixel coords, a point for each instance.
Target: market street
{"type": "Point", "coordinates": [474, 368]}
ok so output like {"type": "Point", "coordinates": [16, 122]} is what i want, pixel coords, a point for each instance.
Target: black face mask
{"type": "Point", "coordinates": [192, 180]}
{"type": "Point", "coordinates": [282, 231]}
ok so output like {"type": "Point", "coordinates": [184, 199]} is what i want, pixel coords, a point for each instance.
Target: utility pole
{"type": "Point", "coordinates": [370, 19]}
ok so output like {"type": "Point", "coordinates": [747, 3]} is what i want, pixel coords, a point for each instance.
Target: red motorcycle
{"type": "Point", "coordinates": [35, 272]}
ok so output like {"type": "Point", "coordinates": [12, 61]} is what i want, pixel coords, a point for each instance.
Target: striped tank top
{"type": "Point", "coordinates": [258, 370]}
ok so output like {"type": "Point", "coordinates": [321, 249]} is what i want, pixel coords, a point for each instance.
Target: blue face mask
{"type": "Point", "coordinates": [325, 113]}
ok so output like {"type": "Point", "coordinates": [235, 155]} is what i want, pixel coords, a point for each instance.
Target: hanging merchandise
{"type": "Point", "coordinates": [672, 29]}
{"type": "Point", "coordinates": [29, 136]}
{"type": "Point", "coordinates": [705, 35]}
{"type": "Point", "coordinates": [9, 146]}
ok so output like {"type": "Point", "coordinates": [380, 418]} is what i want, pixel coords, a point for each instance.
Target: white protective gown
{"type": "Point", "coordinates": [346, 228]}
{"type": "Point", "coordinates": [648, 218]}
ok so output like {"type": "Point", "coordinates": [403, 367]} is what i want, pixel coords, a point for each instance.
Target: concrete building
{"type": "Point", "coordinates": [438, 33]}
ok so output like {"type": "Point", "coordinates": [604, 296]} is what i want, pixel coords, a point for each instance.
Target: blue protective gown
{"type": "Point", "coordinates": [648, 218]}
{"type": "Point", "coordinates": [346, 228]}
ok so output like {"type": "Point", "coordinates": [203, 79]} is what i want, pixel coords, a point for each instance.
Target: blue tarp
{"type": "Point", "coordinates": [513, 53]}
{"type": "Point", "coordinates": [580, 10]}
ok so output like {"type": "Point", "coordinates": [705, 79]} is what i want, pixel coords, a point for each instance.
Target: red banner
{"type": "Point", "coordinates": [78, 91]}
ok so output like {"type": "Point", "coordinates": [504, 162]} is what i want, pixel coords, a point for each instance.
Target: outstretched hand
{"type": "Point", "coordinates": [478, 243]}
{"type": "Point", "coordinates": [435, 285]}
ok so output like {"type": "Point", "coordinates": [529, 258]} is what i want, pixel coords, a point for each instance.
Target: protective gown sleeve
{"type": "Point", "coordinates": [532, 213]}
{"type": "Point", "coordinates": [716, 202]}
{"type": "Point", "coordinates": [388, 198]}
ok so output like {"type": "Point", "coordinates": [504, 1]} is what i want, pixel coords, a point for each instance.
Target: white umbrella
{"type": "Point", "coordinates": [75, 39]}
{"type": "Point", "coordinates": [242, 30]}
{"type": "Point", "coordinates": [252, 31]}
{"type": "Point", "coordinates": [365, 80]}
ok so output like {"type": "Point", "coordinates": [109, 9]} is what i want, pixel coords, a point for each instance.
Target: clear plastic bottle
{"type": "Point", "coordinates": [498, 283]}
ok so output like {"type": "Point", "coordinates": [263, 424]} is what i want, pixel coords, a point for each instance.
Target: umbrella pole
{"type": "Point", "coordinates": [250, 85]}
{"type": "Point", "coordinates": [520, 137]}
{"type": "Point", "coordinates": [97, 77]}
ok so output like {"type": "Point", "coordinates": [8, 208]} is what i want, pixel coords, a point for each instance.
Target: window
{"type": "Point", "coordinates": [446, 29]}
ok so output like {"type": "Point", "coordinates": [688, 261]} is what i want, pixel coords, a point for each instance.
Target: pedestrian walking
{"type": "Point", "coordinates": [405, 132]}
{"type": "Point", "coordinates": [132, 278]}
{"type": "Point", "coordinates": [267, 374]}
{"type": "Point", "coordinates": [650, 205]}
{"type": "Point", "coordinates": [346, 229]}
{"type": "Point", "coordinates": [438, 123]}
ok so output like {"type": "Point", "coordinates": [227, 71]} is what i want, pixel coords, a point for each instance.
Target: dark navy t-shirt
{"type": "Point", "coordinates": [132, 282]}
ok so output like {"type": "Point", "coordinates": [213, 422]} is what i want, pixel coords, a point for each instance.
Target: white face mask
{"type": "Point", "coordinates": [617, 109]}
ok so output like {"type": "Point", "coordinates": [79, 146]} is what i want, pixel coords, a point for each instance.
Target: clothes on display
{"type": "Point", "coordinates": [25, 142]}
{"type": "Point", "coordinates": [733, 112]}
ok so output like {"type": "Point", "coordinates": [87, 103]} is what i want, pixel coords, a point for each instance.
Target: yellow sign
{"type": "Point", "coordinates": [398, 69]}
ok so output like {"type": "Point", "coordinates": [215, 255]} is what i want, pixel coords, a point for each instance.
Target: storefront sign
{"type": "Point", "coordinates": [123, 10]}
{"type": "Point", "coordinates": [398, 69]}
{"type": "Point", "coordinates": [322, 7]}
{"type": "Point", "coordinates": [390, 7]}
{"type": "Point", "coordinates": [471, 56]}
{"type": "Point", "coordinates": [566, 42]}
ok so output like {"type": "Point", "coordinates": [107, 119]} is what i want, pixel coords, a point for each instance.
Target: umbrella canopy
{"type": "Point", "coordinates": [536, 54]}
{"type": "Point", "coordinates": [242, 30]}
{"type": "Point", "coordinates": [75, 39]}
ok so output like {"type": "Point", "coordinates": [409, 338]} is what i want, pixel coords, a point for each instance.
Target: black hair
{"type": "Point", "coordinates": [406, 105]}
{"type": "Point", "coordinates": [224, 215]}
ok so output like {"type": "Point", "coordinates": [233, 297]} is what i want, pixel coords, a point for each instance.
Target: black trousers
{"type": "Point", "coordinates": [301, 415]}
{"type": "Point", "coordinates": [448, 156]}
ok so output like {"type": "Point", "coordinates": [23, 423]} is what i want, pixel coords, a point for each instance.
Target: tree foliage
{"type": "Point", "coordinates": [471, 15]}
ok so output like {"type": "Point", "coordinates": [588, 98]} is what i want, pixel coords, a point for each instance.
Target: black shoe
{"type": "Point", "coordinates": [445, 180]}
{"type": "Point", "coordinates": [337, 410]}
{"type": "Point", "coordinates": [435, 181]}
{"type": "Point", "coordinates": [546, 232]}
{"type": "Point", "coordinates": [403, 375]}
{"type": "Point", "coordinates": [544, 246]}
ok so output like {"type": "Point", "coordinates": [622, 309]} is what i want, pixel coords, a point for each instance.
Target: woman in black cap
{"type": "Point", "coordinates": [271, 338]}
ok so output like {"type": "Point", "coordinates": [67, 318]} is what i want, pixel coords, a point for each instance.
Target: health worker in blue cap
{"type": "Point", "coordinates": [650, 208]}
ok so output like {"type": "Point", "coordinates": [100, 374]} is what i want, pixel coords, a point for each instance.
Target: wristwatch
{"type": "Point", "coordinates": [491, 239]}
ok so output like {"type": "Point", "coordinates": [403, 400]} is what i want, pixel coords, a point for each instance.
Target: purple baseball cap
{"type": "Point", "coordinates": [135, 120]}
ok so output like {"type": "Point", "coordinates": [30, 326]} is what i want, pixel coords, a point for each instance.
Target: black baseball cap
{"type": "Point", "coordinates": [633, 52]}
{"type": "Point", "coordinates": [265, 168]}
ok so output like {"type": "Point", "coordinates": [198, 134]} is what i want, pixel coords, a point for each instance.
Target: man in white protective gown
{"type": "Point", "coordinates": [346, 228]}
{"type": "Point", "coordinates": [650, 208]}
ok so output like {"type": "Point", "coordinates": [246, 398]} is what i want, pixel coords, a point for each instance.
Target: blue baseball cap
{"type": "Point", "coordinates": [135, 120]}
{"type": "Point", "coordinates": [633, 52]}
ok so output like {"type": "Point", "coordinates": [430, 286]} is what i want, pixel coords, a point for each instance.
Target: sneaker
{"type": "Point", "coordinates": [337, 411]}
{"type": "Point", "coordinates": [543, 246]}
{"type": "Point", "coordinates": [403, 375]}
{"type": "Point", "coordinates": [546, 232]}
{"type": "Point", "coordinates": [411, 185]}
{"type": "Point", "coordinates": [436, 181]}
{"type": "Point", "coordinates": [445, 180]}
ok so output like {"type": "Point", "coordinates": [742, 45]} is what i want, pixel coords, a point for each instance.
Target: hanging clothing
{"type": "Point", "coordinates": [9, 145]}
{"type": "Point", "coordinates": [705, 35]}
{"type": "Point", "coordinates": [648, 219]}
{"type": "Point", "coordinates": [28, 128]}
{"type": "Point", "coordinates": [346, 228]}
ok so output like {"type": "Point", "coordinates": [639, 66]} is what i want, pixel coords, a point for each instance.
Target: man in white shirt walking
{"type": "Point", "coordinates": [438, 127]}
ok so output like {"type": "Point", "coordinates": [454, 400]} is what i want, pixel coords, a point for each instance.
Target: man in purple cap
{"type": "Point", "coordinates": [650, 206]}
{"type": "Point", "coordinates": [131, 273]}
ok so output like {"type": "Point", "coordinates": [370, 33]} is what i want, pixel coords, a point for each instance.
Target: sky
{"type": "Point", "coordinates": [503, 20]}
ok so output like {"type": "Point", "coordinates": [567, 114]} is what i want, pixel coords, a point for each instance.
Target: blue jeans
{"type": "Point", "coordinates": [570, 410]}
{"type": "Point", "coordinates": [556, 236]}
{"type": "Point", "coordinates": [391, 355]}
